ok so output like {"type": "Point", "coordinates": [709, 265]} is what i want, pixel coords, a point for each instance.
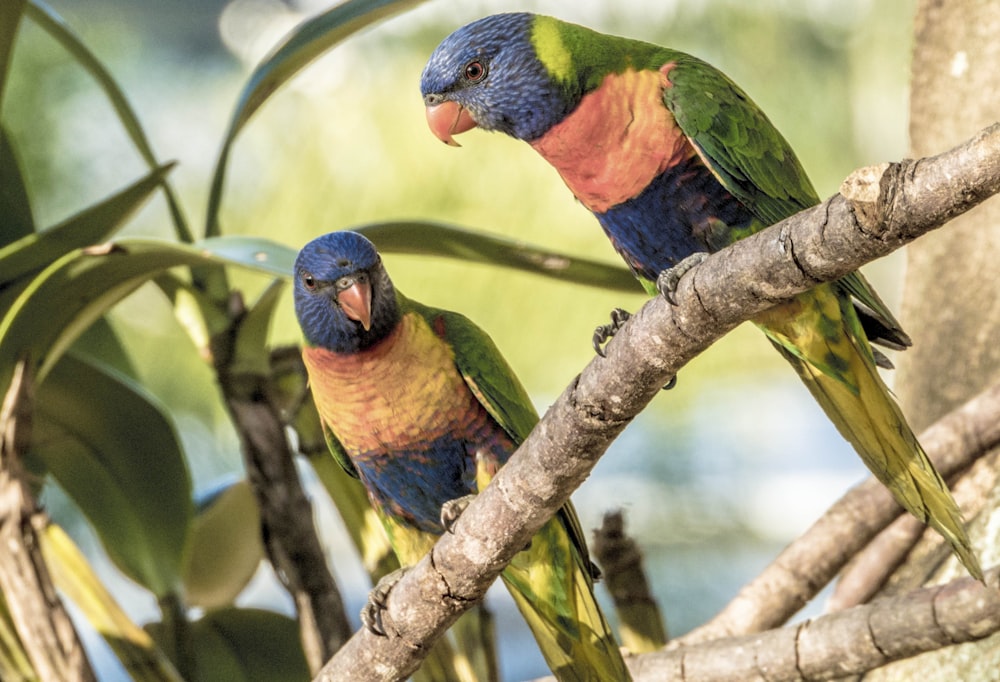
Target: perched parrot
{"type": "Point", "coordinates": [419, 404]}
{"type": "Point", "coordinates": [675, 160]}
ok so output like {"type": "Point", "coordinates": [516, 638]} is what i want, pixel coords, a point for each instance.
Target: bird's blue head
{"type": "Point", "coordinates": [344, 299]}
{"type": "Point", "coordinates": [488, 74]}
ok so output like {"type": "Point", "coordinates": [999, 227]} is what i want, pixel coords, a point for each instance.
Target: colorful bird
{"type": "Point", "coordinates": [675, 160]}
{"type": "Point", "coordinates": [419, 404]}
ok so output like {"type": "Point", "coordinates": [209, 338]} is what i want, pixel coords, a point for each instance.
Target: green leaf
{"type": "Point", "coordinates": [435, 239]}
{"type": "Point", "coordinates": [66, 297]}
{"type": "Point", "coordinates": [91, 226]}
{"type": "Point", "coordinates": [246, 645]}
{"type": "Point", "coordinates": [111, 447]}
{"type": "Point", "coordinates": [306, 42]}
{"type": "Point", "coordinates": [15, 207]}
{"type": "Point", "coordinates": [10, 19]}
{"type": "Point", "coordinates": [54, 25]}
{"type": "Point", "coordinates": [225, 546]}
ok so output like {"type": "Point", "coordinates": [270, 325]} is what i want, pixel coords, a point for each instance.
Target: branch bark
{"type": "Point", "coordinates": [812, 560]}
{"type": "Point", "coordinates": [878, 212]}
{"type": "Point", "coordinates": [44, 626]}
{"type": "Point", "coordinates": [287, 525]}
{"type": "Point", "coordinates": [845, 643]}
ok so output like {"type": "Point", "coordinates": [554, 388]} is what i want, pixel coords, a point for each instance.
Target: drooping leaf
{"type": "Point", "coordinates": [435, 239]}
{"type": "Point", "coordinates": [111, 447]}
{"type": "Point", "coordinates": [91, 226]}
{"type": "Point", "coordinates": [305, 43]}
{"type": "Point", "coordinates": [76, 581]}
{"type": "Point", "coordinates": [16, 220]}
{"type": "Point", "coordinates": [66, 297]}
{"type": "Point", "coordinates": [53, 24]}
{"type": "Point", "coordinates": [246, 645]}
{"type": "Point", "coordinates": [225, 547]}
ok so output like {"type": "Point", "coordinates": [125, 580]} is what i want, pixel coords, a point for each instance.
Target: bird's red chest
{"type": "Point", "coordinates": [404, 391]}
{"type": "Point", "coordinates": [618, 139]}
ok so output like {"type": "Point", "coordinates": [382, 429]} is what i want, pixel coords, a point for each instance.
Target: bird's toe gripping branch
{"type": "Point", "coordinates": [452, 509]}
{"type": "Point", "coordinates": [667, 281]}
{"type": "Point", "coordinates": [606, 332]}
{"type": "Point", "coordinates": [371, 613]}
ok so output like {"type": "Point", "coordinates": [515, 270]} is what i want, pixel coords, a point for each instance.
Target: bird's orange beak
{"type": "Point", "coordinates": [356, 302]}
{"type": "Point", "coordinates": [447, 119]}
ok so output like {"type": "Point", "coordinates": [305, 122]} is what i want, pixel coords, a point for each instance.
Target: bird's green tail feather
{"type": "Point", "coordinates": [819, 333]}
{"type": "Point", "coordinates": [552, 586]}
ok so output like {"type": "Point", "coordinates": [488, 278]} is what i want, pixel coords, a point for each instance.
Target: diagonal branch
{"type": "Point", "coordinates": [844, 643]}
{"type": "Point", "coordinates": [813, 559]}
{"type": "Point", "coordinates": [884, 208]}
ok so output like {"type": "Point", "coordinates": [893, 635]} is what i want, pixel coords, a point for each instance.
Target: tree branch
{"type": "Point", "coordinates": [44, 626]}
{"type": "Point", "coordinates": [287, 525]}
{"type": "Point", "coordinates": [813, 559]}
{"type": "Point", "coordinates": [884, 211]}
{"type": "Point", "coordinates": [844, 643]}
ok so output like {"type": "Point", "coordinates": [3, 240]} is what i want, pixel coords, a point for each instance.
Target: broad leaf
{"type": "Point", "coordinates": [246, 645]}
{"type": "Point", "coordinates": [90, 226]}
{"type": "Point", "coordinates": [225, 547]}
{"type": "Point", "coordinates": [66, 297]}
{"type": "Point", "coordinates": [111, 447]}
{"type": "Point", "coordinates": [435, 239]}
{"type": "Point", "coordinates": [306, 42]}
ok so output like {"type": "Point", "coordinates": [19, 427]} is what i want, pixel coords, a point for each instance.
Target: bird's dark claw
{"type": "Point", "coordinates": [371, 613]}
{"type": "Point", "coordinates": [667, 281]}
{"type": "Point", "coordinates": [606, 332]}
{"type": "Point", "coordinates": [452, 509]}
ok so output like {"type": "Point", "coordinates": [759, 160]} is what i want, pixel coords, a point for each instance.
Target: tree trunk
{"type": "Point", "coordinates": [951, 305]}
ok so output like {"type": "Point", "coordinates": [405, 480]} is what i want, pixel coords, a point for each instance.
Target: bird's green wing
{"type": "Point", "coordinates": [736, 141]}
{"type": "Point", "coordinates": [484, 369]}
{"type": "Point", "coordinates": [338, 452]}
{"type": "Point", "coordinates": [495, 385]}
{"type": "Point", "coordinates": [752, 160]}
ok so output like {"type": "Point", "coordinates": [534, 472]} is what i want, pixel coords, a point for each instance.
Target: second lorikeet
{"type": "Point", "coordinates": [675, 160]}
{"type": "Point", "coordinates": [419, 404]}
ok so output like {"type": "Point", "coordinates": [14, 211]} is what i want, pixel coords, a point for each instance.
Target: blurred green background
{"type": "Point", "coordinates": [714, 477]}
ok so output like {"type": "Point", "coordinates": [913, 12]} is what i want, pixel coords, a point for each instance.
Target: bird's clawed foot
{"type": "Point", "coordinates": [667, 281]}
{"type": "Point", "coordinates": [452, 509]}
{"type": "Point", "coordinates": [606, 332]}
{"type": "Point", "coordinates": [371, 613]}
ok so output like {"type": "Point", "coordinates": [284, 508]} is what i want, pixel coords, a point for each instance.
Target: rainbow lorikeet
{"type": "Point", "coordinates": [419, 404]}
{"type": "Point", "coordinates": [675, 160]}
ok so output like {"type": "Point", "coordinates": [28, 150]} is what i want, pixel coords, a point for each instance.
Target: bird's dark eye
{"type": "Point", "coordinates": [475, 71]}
{"type": "Point", "coordinates": [308, 282]}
